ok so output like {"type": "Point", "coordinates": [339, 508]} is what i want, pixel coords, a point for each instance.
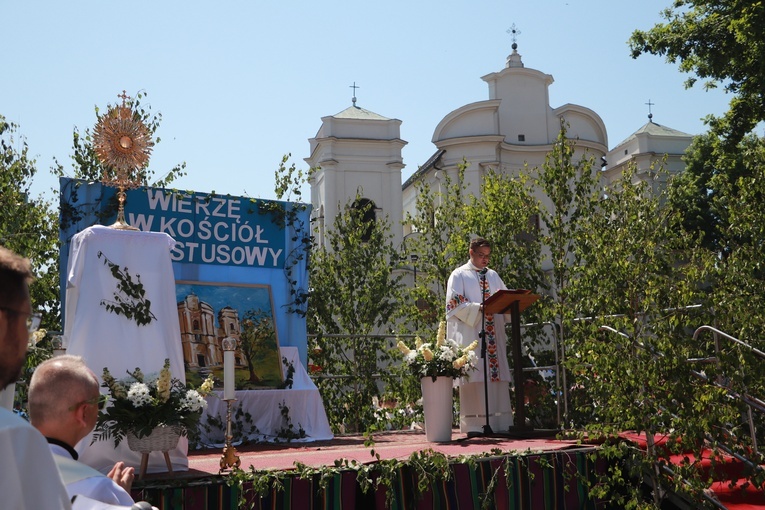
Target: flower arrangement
{"type": "Point", "coordinates": [445, 357]}
{"type": "Point", "coordinates": [139, 404]}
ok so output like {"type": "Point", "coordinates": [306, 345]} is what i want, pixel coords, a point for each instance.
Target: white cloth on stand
{"type": "Point", "coordinates": [105, 339]}
{"type": "Point", "coordinates": [303, 400]}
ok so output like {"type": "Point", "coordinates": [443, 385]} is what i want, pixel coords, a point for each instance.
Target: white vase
{"type": "Point", "coordinates": [438, 408]}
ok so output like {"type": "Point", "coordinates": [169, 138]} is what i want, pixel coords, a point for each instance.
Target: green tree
{"type": "Point", "coordinates": [570, 192]}
{"type": "Point", "coordinates": [507, 213]}
{"type": "Point", "coordinates": [628, 344]}
{"type": "Point", "coordinates": [258, 339]}
{"type": "Point", "coordinates": [710, 185]}
{"type": "Point", "coordinates": [440, 242]}
{"type": "Point", "coordinates": [28, 225]}
{"type": "Point", "coordinates": [721, 42]}
{"type": "Point", "coordinates": [354, 291]}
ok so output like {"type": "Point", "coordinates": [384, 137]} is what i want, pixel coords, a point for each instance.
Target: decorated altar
{"type": "Point", "coordinates": [305, 409]}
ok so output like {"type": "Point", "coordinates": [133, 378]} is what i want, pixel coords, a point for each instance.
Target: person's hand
{"type": "Point", "coordinates": [122, 476]}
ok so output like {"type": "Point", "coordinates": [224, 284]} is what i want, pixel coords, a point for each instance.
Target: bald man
{"type": "Point", "coordinates": [64, 400]}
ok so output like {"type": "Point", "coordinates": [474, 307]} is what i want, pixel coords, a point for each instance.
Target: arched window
{"type": "Point", "coordinates": [367, 209]}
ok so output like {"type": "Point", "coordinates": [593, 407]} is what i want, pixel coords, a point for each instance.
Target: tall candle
{"type": "Point", "coordinates": [228, 375]}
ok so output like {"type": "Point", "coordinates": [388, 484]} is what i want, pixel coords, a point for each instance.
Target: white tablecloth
{"type": "Point", "coordinates": [105, 339]}
{"type": "Point", "coordinates": [306, 409]}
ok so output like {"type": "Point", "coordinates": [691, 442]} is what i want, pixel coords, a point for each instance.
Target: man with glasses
{"type": "Point", "coordinates": [64, 401]}
{"type": "Point", "coordinates": [29, 479]}
{"type": "Point", "coordinates": [468, 286]}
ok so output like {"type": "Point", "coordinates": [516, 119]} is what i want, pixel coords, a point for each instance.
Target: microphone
{"type": "Point", "coordinates": [483, 271]}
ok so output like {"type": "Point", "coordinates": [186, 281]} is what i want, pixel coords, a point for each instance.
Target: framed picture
{"type": "Point", "coordinates": [210, 312]}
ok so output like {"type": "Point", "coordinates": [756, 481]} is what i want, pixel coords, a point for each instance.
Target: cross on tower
{"type": "Point", "coordinates": [514, 32]}
{"type": "Point", "coordinates": [650, 104]}
{"type": "Point", "coordinates": [354, 87]}
{"type": "Point", "coordinates": [124, 97]}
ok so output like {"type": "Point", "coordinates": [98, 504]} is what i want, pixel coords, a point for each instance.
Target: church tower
{"type": "Point", "coordinates": [356, 152]}
{"type": "Point", "coordinates": [649, 148]}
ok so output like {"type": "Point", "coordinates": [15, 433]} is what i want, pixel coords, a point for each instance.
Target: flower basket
{"type": "Point", "coordinates": [142, 406]}
{"type": "Point", "coordinates": [161, 439]}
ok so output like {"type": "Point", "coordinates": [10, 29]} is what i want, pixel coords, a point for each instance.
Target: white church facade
{"type": "Point", "coordinates": [358, 151]}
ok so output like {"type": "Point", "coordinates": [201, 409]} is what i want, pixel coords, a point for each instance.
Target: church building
{"type": "Point", "coordinates": [358, 153]}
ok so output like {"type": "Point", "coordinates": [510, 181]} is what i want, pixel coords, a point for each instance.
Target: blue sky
{"type": "Point", "coordinates": [241, 83]}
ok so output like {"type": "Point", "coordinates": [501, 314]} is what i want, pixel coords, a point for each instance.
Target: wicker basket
{"type": "Point", "coordinates": [161, 439]}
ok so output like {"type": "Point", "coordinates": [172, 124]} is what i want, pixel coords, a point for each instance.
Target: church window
{"type": "Point", "coordinates": [366, 208]}
{"type": "Point", "coordinates": [521, 138]}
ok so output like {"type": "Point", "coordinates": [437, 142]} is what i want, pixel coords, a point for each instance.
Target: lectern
{"type": "Point", "coordinates": [514, 302]}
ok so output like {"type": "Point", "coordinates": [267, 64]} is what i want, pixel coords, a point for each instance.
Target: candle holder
{"type": "Point", "coordinates": [230, 459]}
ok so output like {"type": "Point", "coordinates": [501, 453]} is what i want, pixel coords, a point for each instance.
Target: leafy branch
{"type": "Point", "coordinates": [130, 297]}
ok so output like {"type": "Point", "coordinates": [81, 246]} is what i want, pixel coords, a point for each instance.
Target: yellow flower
{"type": "Point", "coordinates": [163, 383]}
{"type": "Point", "coordinates": [403, 348]}
{"type": "Point", "coordinates": [460, 362]}
{"type": "Point", "coordinates": [427, 354]}
{"type": "Point", "coordinates": [472, 345]}
{"type": "Point", "coordinates": [207, 386]}
{"type": "Point", "coordinates": [38, 336]}
{"type": "Point", "coordinates": [417, 342]}
{"type": "Point", "coordinates": [441, 336]}
{"type": "Point", "coordinates": [115, 388]}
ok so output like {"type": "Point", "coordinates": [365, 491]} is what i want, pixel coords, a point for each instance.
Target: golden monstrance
{"type": "Point", "coordinates": [123, 144]}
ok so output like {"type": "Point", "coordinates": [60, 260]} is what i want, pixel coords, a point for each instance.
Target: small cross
{"type": "Point", "coordinates": [124, 97]}
{"type": "Point", "coordinates": [514, 32]}
{"type": "Point", "coordinates": [354, 87]}
{"type": "Point", "coordinates": [650, 104]}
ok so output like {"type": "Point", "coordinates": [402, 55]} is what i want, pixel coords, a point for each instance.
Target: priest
{"type": "Point", "coordinates": [468, 286]}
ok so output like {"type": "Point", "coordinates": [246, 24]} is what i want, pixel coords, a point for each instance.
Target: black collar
{"type": "Point", "coordinates": [62, 444]}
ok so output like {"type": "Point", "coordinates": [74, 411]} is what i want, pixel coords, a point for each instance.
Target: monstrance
{"type": "Point", "coordinates": [123, 144]}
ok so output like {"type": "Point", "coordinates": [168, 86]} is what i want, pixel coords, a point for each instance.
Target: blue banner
{"type": "Point", "coordinates": [208, 229]}
{"type": "Point", "coordinates": [220, 240]}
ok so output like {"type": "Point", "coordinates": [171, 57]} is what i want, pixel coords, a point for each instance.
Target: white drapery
{"type": "Point", "coordinates": [105, 339]}
{"type": "Point", "coordinates": [306, 409]}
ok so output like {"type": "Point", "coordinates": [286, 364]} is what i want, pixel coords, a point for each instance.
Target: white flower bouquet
{"type": "Point", "coordinates": [442, 358]}
{"type": "Point", "coordinates": [138, 404]}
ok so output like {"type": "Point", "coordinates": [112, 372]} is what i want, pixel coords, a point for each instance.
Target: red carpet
{"type": "Point", "coordinates": [389, 445]}
{"type": "Point", "coordinates": [730, 485]}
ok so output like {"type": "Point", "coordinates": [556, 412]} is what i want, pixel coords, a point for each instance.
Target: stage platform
{"type": "Point", "coordinates": [513, 473]}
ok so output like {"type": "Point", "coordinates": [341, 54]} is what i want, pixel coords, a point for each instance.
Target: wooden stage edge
{"type": "Point", "coordinates": [399, 445]}
{"type": "Point", "coordinates": [513, 474]}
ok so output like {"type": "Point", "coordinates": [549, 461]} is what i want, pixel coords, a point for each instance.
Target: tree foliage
{"type": "Point", "coordinates": [28, 225]}
{"type": "Point", "coordinates": [710, 187]}
{"type": "Point", "coordinates": [440, 242]}
{"type": "Point", "coordinates": [721, 42]}
{"type": "Point", "coordinates": [355, 292]}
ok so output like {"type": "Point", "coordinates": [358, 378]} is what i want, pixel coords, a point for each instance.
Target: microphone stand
{"type": "Point", "coordinates": [487, 431]}
{"type": "Point", "coordinates": [486, 428]}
